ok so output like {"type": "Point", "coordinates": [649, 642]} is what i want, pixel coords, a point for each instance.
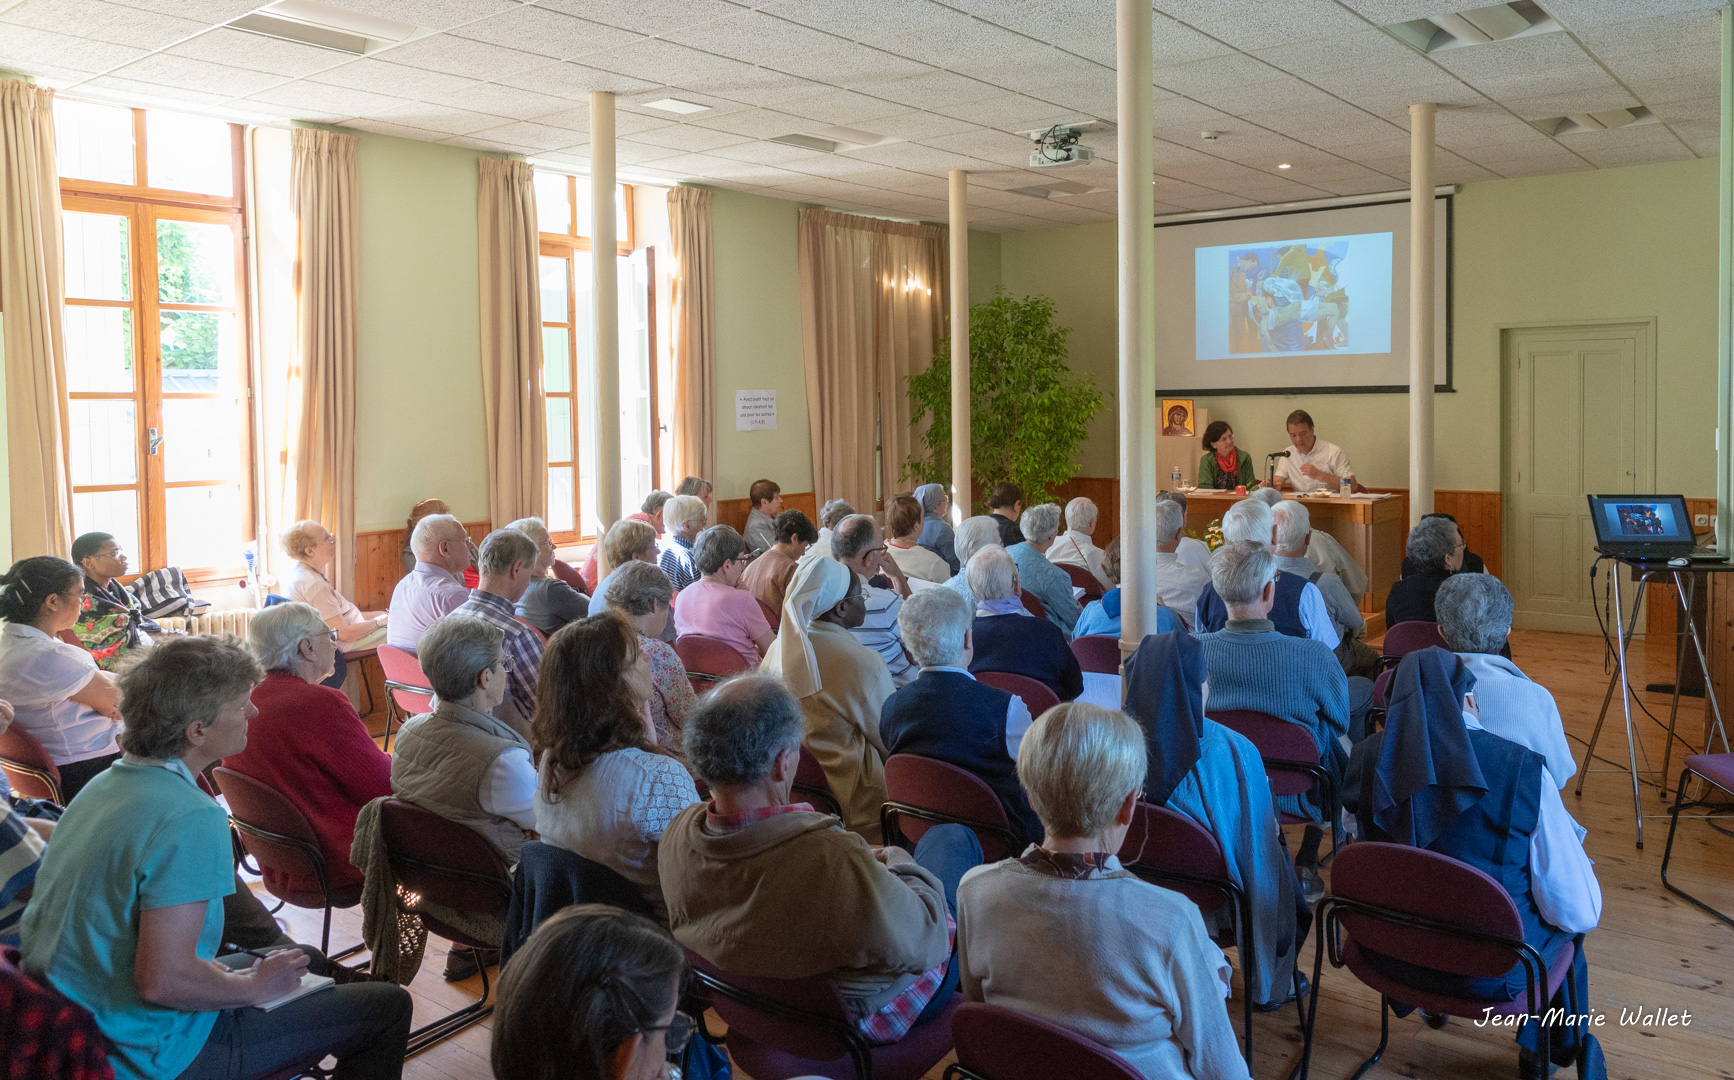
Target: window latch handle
{"type": "Point", "coordinates": [155, 442]}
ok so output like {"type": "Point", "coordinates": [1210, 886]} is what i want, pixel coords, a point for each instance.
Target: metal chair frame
{"type": "Point", "coordinates": [314, 856]}
{"type": "Point", "coordinates": [860, 1050]}
{"type": "Point", "coordinates": [47, 780]}
{"type": "Point", "coordinates": [480, 1009]}
{"type": "Point", "coordinates": [393, 710]}
{"type": "Point", "coordinates": [1322, 782]}
{"type": "Point", "coordinates": [889, 811]}
{"type": "Point", "coordinates": [1680, 803]}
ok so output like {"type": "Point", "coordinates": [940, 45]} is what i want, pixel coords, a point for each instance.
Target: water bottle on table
{"type": "Point", "coordinates": [1175, 478]}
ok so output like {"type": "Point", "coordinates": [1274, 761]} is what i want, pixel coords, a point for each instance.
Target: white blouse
{"type": "Point", "coordinates": [39, 675]}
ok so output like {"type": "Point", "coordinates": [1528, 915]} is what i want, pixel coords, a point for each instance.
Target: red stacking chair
{"type": "Point", "coordinates": [772, 616]}
{"type": "Point", "coordinates": [1083, 579]}
{"type": "Point", "coordinates": [539, 631]}
{"type": "Point", "coordinates": [810, 782]}
{"type": "Point", "coordinates": [998, 1044]}
{"type": "Point", "coordinates": [783, 1028]}
{"type": "Point", "coordinates": [451, 865]}
{"type": "Point", "coordinates": [567, 573]}
{"type": "Point", "coordinates": [1432, 912]}
{"type": "Point", "coordinates": [279, 837]}
{"type": "Point", "coordinates": [921, 792]}
{"type": "Point", "coordinates": [29, 769]}
{"type": "Point", "coordinates": [707, 660]}
{"type": "Point", "coordinates": [1716, 770]}
{"type": "Point", "coordinates": [405, 686]}
{"type": "Point", "coordinates": [1032, 605]}
{"type": "Point", "coordinates": [1038, 698]}
{"type": "Point", "coordinates": [1291, 759]}
{"type": "Point", "coordinates": [1098, 653]}
{"type": "Point", "coordinates": [1408, 637]}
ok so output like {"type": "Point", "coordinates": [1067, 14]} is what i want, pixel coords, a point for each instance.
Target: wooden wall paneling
{"type": "Point", "coordinates": [1104, 491]}
{"type": "Point", "coordinates": [379, 563]}
{"type": "Point", "coordinates": [733, 512]}
{"type": "Point", "coordinates": [1481, 516]}
{"type": "Point", "coordinates": [1659, 601]}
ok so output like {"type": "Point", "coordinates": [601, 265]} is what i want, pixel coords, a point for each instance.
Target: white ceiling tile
{"type": "Point", "coordinates": [849, 65]}
{"type": "Point", "coordinates": [433, 14]}
{"type": "Point", "coordinates": [1675, 34]}
{"type": "Point", "coordinates": [854, 20]}
{"type": "Point", "coordinates": [995, 146]}
{"type": "Point", "coordinates": [400, 131]}
{"type": "Point", "coordinates": [1078, 29]}
{"type": "Point", "coordinates": [1482, 126]}
{"type": "Point", "coordinates": [1614, 158]}
{"type": "Point", "coordinates": [531, 136]}
{"type": "Point", "coordinates": [102, 21]}
{"type": "Point", "coordinates": [197, 75]}
{"type": "Point", "coordinates": [752, 123]}
{"type": "Point", "coordinates": [646, 16]}
{"type": "Point", "coordinates": [397, 80]}
{"type": "Point", "coordinates": [1173, 42]}
{"type": "Point", "coordinates": [146, 94]}
{"type": "Point", "coordinates": [1690, 109]}
{"type": "Point", "coordinates": [209, 12]}
{"type": "Point", "coordinates": [1009, 112]}
{"type": "Point", "coordinates": [440, 118]}
{"type": "Point", "coordinates": [934, 89]}
{"type": "Point", "coordinates": [461, 56]}
{"type": "Point", "coordinates": [258, 53]}
{"type": "Point", "coordinates": [1675, 88]}
{"type": "Point", "coordinates": [946, 44]}
{"type": "Point", "coordinates": [1583, 14]}
{"type": "Point", "coordinates": [22, 45]}
{"type": "Point", "coordinates": [767, 153]}
{"type": "Point", "coordinates": [1542, 106]}
{"type": "Point", "coordinates": [1244, 97]}
{"type": "Point", "coordinates": [1386, 12]}
{"type": "Point", "coordinates": [575, 81]}
{"type": "Point", "coordinates": [1356, 49]}
{"type": "Point", "coordinates": [1216, 73]}
{"type": "Point", "coordinates": [505, 101]}
{"type": "Point", "coordinates": [1522, 55]}
{"type": "Point", "coordinates": [668, 63]}
{"type": "Point", "coordinates": [687, 138]}
{"type": "Point", "coordinates": [625, 123]}
{"type": "Point", "coordinates": [839, 107]}
{"type": "Point", "coordinates": [1262, 25]}
{"type": "Point", "coordinates": [1023, 62]}
{"type": "Point", "coordinates": [550, 33]}
{"type": "Point", "coordinates": [319, 98]}
{"type": "Point", "coordinates": [755, 38]}
{"type": "Point", "coordinates": [476, 142]}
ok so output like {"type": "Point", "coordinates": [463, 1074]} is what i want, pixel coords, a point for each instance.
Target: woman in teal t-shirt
{"type": "Point", "coordinates": [127, 916]}
{"type": "Point", "coordinates": [1223, 466]}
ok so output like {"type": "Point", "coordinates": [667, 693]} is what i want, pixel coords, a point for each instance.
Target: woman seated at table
{"type": "Point", "coordinates": [58, 695]}
{"type": "Point", "coordinates": [127, 915]}
{"type": "Point", "coordinates": [603, 790]}
{"type": "Point", "coordinates": [312, 547]}
{"type": "Point", "coordinates": [548, 603]}
{"type": "Point", "coordinates": [1064, 933]}
{"type": "Point", "coordinates": [641, 592]}
{"type": "Point", "coordinates": [715, 605]}
{"type": "Point", "coordinates": [1223, 467]}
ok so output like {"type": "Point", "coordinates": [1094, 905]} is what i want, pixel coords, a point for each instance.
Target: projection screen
{"type": "Point", "coordinates": [1313, 301]}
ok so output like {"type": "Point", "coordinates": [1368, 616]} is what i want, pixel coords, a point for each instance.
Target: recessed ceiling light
{"type": "Point", "coordinates": [1284, 165]}
{"type": "Point", "coordinates": [675, 105]}
{"type": "Point", "coordinates": [328, 27]}
{"type": "Point", "coordinates": [1476, 26]}
{"type": "Point", "coordinates": [830, 140]}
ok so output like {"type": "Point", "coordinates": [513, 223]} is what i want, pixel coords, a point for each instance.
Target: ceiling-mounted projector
{"type": "Point", "coordinates": [1057, 147]}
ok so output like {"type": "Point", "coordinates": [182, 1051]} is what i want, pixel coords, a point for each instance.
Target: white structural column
{"type": "Point", "coordinates": [962, 490]}
{"type": "Point", "coordinates": [1725, 304]}
{"type": "Point", "coordinates": [604, 251]}
{"type": "Point", "coordinates": [1137, 309]}
{"type": "Point", "coordinates": [1421, 313]}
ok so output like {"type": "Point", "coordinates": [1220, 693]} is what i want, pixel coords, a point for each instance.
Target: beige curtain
{"type": "Point", "coordinates": [507, 249]}
{"type": "Point", "coordinates": [872, 307]}
{"type": "Point", "coordinates": [31, 294]}
{"type": "Point", "coordinates": [326, 190]}
{"type": "Point", "coordinates": [693, 304]}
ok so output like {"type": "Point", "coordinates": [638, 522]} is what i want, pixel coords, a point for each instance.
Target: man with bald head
{"type": "Point", "coordinates": [435, 588]}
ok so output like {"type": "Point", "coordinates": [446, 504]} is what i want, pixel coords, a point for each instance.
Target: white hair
{"type": "Point", "coordinates": [430, 532]}
{"type": "Point", "coordinates": [933, 624]}
{"type": "Point", "coordinates": [991, 575]}
{"type": "Point", "coordinates": [275, 634]}
{"type": "Point", "coordinates": [533, 527]}
{"type": "Point", "coordinates": [976, 533]}
{"type": "Point", "coordinates": [1247, 519]}
{"type": "Point", "coordinates": [680, 510]}
{"type": "Point", "coordinates": [1170, 519]}
{"type": "Point", "coordinates": [1040, 523]}
{"type": "Point", "coordinates": [1240, 569]}
{"type": "Point", "coordinates": [1474, 612]}
{"type": "Point", "coordinates": [1268, 496]}
{"type": "Point", "coordinates": [1293, 523]}
{"type": "Point", "coordinates": [1081, 515]}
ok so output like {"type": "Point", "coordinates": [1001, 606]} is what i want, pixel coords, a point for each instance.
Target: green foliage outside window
{"type": "Point", "coordinates": [186, 276]}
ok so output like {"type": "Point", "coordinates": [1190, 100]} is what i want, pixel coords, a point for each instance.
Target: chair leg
{"type": "Point", "coordinates": [1384, 1038]}
{"type": "Point", "coordinates": [452, 1023]}
{"type": "Point", "coordinates": [1668, 850]}
{"type": "Point", "coordinates": [1304, 1066]}
{"type": "Point", "coordinates": [1248, 967]}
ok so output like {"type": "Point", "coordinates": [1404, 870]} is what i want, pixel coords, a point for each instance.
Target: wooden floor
{"type": "Point", "coordinates": [1652, 950]}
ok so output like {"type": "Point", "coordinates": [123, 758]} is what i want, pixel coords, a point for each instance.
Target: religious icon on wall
{"type": "Point", "coordinates": [1177, 416]}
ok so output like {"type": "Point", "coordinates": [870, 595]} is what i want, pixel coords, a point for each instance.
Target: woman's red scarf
{"type": "Point", "coordinates": [1228, 466]}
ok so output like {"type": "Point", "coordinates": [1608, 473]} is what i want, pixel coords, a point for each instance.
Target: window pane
{"type": "Point", "coordinates": [98, 349]}
{"type": "Point", "coordinates": [204, 525]}
{"type": "Point", "coordinates": [114, 512]}
{"type": "Point", "coordinates": [97, 254]}
{"type": "Point", "coordinates": [201, 438]}
{"type": "Point", "coordinates": [201, 352]}
{"type": "Point", "coordinates": [553, 275]}
{"type": "Point", "coordinates": [560, 499]}
{"type": "Point", "coordinates": [195, 263]}
{"type": "Point", "coordinates": [559, 429]}
{"type": "Point", "coordinates": [556, 360]}
{"type": "Point", "coordinates": [621, 230]}
{"type": "Point", "coordinates": [635, 431]}
{"type": "Point", "coordinates": [553, 205]}
{"type": "Point", "coordinates": [586, 394]}
{"type": "Point", "coordinates": [93, 142]}
{"type": "Point", "coordinates": [581, 207]}
{"type": "Point", "coordinates": [102, 442]}
{"type": "Point", "coordinates": [188, 153]}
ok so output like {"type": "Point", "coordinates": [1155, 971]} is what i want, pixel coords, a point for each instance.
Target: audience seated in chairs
{"type": "Point", "coordinates": [416, 513]}
{"type": "Point", "coordinates": [767, 577]}
{"type": "Point", "coordinates": [766, 499]}
{"type": "Point", "coordinates": [1008, 638]}
{"type": "Point", "coordinates": [307, 742]}
{"type": "Point", "coordinates": [641, 592]}
{"type": "Point", "coordinates": [23, 840]}
{"type": "Point", "coordinates": [312, 547]}
{"type": "Point", "coordinates": [1179, 583]}
{"type": "Point", "coordinates": [1039, 577]}
{"type": "Point", "coordinates": [648, 513]}
{"type": "Point", "coordinates": [1214, 776]}
{"type": "Point", "coordinates": [1472, 563]}
{"type": "Point", "coordinates": [830, 516]}
{"type": "Point", "coordinates": [1064, 933]}
{"type": "Point", "coordinates": [936, 532]}
{"type": "Point", "coordinates": [1293, 539]}
{"type": "Point", "coordinates": [1434, 778]}
{"type": "Point", "coordinates": [1190, 550]}
{"type": "Point", "coordinates": [1299, 608]}
{"type": "Point", "coordinates": [127, 915]}
{"type": "Point", "coordinates": [627, 542]}
{"type": "Point", "coordinates": [1005, 503]}
{"type": "Point", "coordinates": [697, 487]}
{"type": "Point", "coordinates": [1475, 620]}
{"type": "Point", "coordinates": [111, 623]}
{"type": "Point", "coordinates": [548, 603]}
{"type": "Point", "coordinates": [507, 559]}
{"type": "Point", "coordinates": [948, 716]}
{"type": "Point", "coordinates": [1102, 617]}
{"type": "Point", "coordinates": [459, 761]}
{"type": "Point", "coordinates": [434, 587]}
{"type": "Point", "coordinates": [903, 525]}
{"type": "Point", "coordinates": [603, 790]}
{"type": "Point", "coordinates": [593, 994]}
{"type": "Point", "coordinates": [841, 686]}
{"type": "Point", "coordinates": [762, 887]}
{"type": "Point", "coordinates": [58, 694]}
{"type": "Point", "coordinates": [685, 516]}
{"type": "Point", "coordinates": [1252, 666]}
{"type": "Point", "coordinates": [1077, 546]}
{"type": "Point", "coordinates": [857, 545]}
{"type": "Point", "coordinates": [972, 535]}
{"type": "Point", "coordinates": [715, 606]}
{"type": "Point", "coordinates": [1435, 548]}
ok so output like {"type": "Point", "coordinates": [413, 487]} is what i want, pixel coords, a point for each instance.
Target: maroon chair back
{"type": "Point", "coordinates": [445, 863]}
{"type": "Point", "coordinates": [1031, 604]}
{"type": "Point", "coordinates": [70, 638]}
{"type": "Point", "coordinates": [565, 572]}
{"type": "Point", "coordinates": [543, 634]}
{"type": "Point", "coordinates": [812, 784]}
{"type": "Point", "coordinates": [1038, 698]}
{"type": "Point", "coordinates": [1381, 685]}
{"type": "Point", "coordinates": [274, 831]}
{"type": "Point", "coordinates": [704, 655]}
{"type": "Point", "coordinates": [1276, 740]}
{"type": "Point", "coordinates": [29, 769]}
{"type": "Point", "coordinates": [1098, 653]}
{"type": "Point", "coordinates": [1168, 847]}
{"type": "Point", "coordinates": [1432, 886]}
{"type": "Point", "coordinates": [998, 1044]}
{"type": "Point", "coordinates": [1408, 637]}
{"type": "Point", "coordinates": [772, 615]}
{"type": "Point", "coordinates": [1083, 579]}
{"type": "Point", "coordinates": [815, 995]}
{"type": "Point", "coordinates": [404, 677]}
{"type": "Point", "coordinates": [922, 792]}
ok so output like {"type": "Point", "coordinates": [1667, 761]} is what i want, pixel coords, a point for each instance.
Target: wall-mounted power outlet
{"type": "Point", "coordinates": [1701, 521]}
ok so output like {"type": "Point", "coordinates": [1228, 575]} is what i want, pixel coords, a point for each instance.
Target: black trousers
{"type": "Point", "coordinates": [73, 777]}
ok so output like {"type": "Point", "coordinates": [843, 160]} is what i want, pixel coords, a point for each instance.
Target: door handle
{"type": "Point", "coordinates": [154, 442]}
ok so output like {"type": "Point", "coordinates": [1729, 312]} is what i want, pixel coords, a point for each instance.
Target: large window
{"type": "Point", "coordinates": [563, 213]}
{"type": "Point", "coordinates": [158, 430]}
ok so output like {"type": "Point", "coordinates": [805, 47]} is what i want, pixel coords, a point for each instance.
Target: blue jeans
{"type": "Point", "coordinates": [947, 852]}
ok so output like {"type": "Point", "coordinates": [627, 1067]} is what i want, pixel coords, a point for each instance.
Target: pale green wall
{"type": "Point", "coordinates": [1601, 245]}
{"type": "Point", "coordinates": [421, 431]}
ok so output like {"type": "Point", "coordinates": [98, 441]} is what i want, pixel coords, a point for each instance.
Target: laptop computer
{"type": "Point", "coordinates": [1646, 527]}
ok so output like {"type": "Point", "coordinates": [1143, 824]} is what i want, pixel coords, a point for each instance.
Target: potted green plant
{"type": "Point", "coordinates": [1028, 412]}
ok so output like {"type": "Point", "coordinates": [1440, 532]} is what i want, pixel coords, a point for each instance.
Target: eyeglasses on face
{"type": "Point", "coordinates": [680, 1030]}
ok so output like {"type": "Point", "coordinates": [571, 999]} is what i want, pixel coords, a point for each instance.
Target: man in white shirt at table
{"type": "Point", "coordinates": [1312, 464]}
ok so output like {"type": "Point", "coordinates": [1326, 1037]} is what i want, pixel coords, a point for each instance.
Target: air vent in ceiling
{"type": "Point", "coordinates": [1476, 26]}
{"type": "Point", "coordinates": [328, 27]}
{"type": "Point", "coordinates": [1055, 189]}
{"type": "Point", "coordinates": [1578, 123]}
{"type": "Point", "coordinates": [830, 140]}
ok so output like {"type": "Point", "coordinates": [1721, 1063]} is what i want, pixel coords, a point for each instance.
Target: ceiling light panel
{"type": "Point", "coordinates": [677, 106]}
{"type": "Point", "coordinates": [1474, 26]}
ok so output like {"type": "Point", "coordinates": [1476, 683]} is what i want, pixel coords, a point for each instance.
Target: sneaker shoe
{"type": "Point", "coordinates": [463, 963]}
{"type": "Point", "coordinates": [1312, 886]}
{"type": "Point", "coordinates": [1272, 1006]}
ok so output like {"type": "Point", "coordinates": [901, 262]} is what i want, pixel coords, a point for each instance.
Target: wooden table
{"type": "Point", "coordinates": [1371, 530]}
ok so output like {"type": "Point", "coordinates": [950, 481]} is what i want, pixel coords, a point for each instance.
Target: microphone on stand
{"type": "Point", "coordinates": [1270, 467]}
{"type": "Point", "coordinates": [1279, 453]}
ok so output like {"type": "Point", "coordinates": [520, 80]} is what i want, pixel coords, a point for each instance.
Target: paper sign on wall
{"type": "Point", "coordinates": [755, 410]}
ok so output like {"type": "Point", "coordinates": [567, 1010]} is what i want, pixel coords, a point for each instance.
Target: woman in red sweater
{"type": "Point", "coordinates": [308, 743]}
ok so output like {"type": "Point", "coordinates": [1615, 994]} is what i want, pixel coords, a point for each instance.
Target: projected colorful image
{"type": "Point", "coordinates": [1294, 297]}
{"type": "Point", "coordinates": [1644, 519]}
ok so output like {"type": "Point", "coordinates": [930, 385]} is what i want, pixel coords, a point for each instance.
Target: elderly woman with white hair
{"type": "Point", "coordinates": [1299, 609]}
{"type": "Point", "coordinates": [1039, 577]}
{"type": "Point", "coordinates": [1007, 638]}
{"type": "Point", "coordinates": [308, 743]}
{"type": "Point", "coordinates": [1435, 546]}
{"type": "Point", "coordinates": [841, 685]}
{"type": "Point", "coordinates": [1066, 934]}
{"type": "Point", "coordinates": [831, 515]}
{"type": "Point", "coordinates": [936, 532]}
{"type": "Point", "coordinates": [974, 534]}
{"type": "Point", "coordinates": [313, 547]}
{"type": "Point", "coordinates": [684, 516]}
{"type": "Point", "coordinates": [1076, 546]}
{"type": "Point", "coordinates": [548, 603]}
